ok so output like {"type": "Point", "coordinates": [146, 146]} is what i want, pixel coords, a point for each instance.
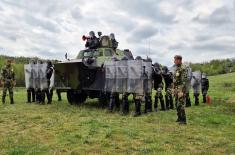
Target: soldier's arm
{"type": "Point", "coordinates": [184, 78]}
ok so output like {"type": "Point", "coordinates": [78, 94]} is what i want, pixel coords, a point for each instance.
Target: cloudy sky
{"type": "Point", "coordinates": [200, 30]}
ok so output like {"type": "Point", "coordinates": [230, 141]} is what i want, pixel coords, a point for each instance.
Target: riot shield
{"type": "Point", "coordinates": [29, 81]}
{"type": "Point", "coordinates": [52, 81]}
{"type": "Point", "coordinates": [196, 81]}
{"type": "Point", "coordinates": [135, 77]}
{"type": "Point", "coordinates": [110, 74]}
{"type": "Point", "coordinates": [36, 77]}
{"type": "Point", "coordinates": [121, 76]}
{"type": "Point", "coordinates": [147, 75]}
{"type": "Point", "coordinates": [189, 75]}
{"type": "Point", "coordinates": [42, 76]}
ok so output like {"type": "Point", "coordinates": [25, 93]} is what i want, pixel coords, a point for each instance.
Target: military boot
{"type": "Point", "coordinates": [111, 103]}
{"type": "Point", "coordinates": [12, 101]}
{"type": "Point", "coordinates": [167, 102]}
{"type": "Point", "coordinates": [156, 104]}
{"type": "Point", "coordinates": [178, 115]}
{"type": "Point", "coordinates": [183, 117]}
{"type": "Point", "coordinates": [125, 108]}
{"type": "Point", "coordinates": [188, 101]}
{"type": "Point", "coordinates": [137, 108]}
{"type": "Point", "coordinates": [3, 100]}
{"type": "Point", "coordinates": [162, 104]}
{"type": "Point", "coordinates": [33, 96]}
{"type": "Point", "coordinates": [204, 98]}
{"type": "Point", "coordinates": [196, 99]}
{"type": "Point", "coordinates": [149, 108]}
{"type": "Point", "coordinates": [117, 102]}
{"type": "Point", "coordinates": [28, 96]}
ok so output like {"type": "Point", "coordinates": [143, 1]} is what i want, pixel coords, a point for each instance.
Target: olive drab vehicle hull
{"type": "Point", "coordinates": [84, 76]}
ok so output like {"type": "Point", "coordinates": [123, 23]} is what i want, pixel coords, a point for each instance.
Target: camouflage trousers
{"type": "Point", "coordinates": [180, 104]}
{"type": "Point", "coordinates": [4, 93]}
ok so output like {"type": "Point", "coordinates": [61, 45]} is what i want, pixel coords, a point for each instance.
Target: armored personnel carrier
{"type": "Point", "coordinates": [84, 76]}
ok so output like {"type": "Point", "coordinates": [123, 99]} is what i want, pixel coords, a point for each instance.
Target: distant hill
{"type": "Point", "coordinates": [213, 67]}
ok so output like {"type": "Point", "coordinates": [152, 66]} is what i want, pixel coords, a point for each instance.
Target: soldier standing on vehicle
{"type": "Point", "coordinates": [205, 86]}
{"type": "Point", "coordinates": [179, 86]}
{"type": "Point", "coordinates": [114, 43]}
{"type": "Point", "coordinates": [8, 81]}
{"type": "Point", "coordinates": [158, 86]}
{"type": "Point", "coordinates": [168, 79]}
{"type": "Point", "coordinates": [92, 41]}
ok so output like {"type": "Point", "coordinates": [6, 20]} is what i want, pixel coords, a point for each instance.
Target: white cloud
{"type": "Point", "coordinates": [199, 30]}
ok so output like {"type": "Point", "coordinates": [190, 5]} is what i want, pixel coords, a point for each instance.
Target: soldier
{"type": "Point", "coordinates": [205, 86]}
{"type": "Point", "coordinates": [148, 97]}
{"type": "Point", "coordinates": [158, 86]}
{"type": "Point", "coordinates": [114, 43]}
{"type": "Point", "coordinates": [38, 92]}
{"type": "Point", "coordinates": [168, 79]}
{"type": "Point", "coordinates": [196, 82]}
{"type": "Point", "coordinates": [179, 86]}
{"type": "Point", "coordinates": [188, 86]}
{"type": "Point", "coordinates": [48, 91]}
{"type": "Point", "coordinates": [125, 104]}
{"type": "Point", "coordinates": [137, 98]}
{"type": "Point", "coordinates": [31, 90]}
{"type": "Point", "coordinates": [114, 96]}
{"type": "Point", "coordinates": [92, 41]}
{"type": "Point", "coordinates": [8, 81]}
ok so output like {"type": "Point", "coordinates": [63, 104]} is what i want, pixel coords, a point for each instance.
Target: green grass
{"type": "Point", "coordinates": [61, 128]}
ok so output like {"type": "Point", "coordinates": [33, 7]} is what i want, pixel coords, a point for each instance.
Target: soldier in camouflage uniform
{"type": "Point", "coordinates": [168, 79]}
{"type": "Point", "coordinates": [158, 86]}
{"type": "Point", "coordinates": [179, 85]}
{"type": "Point", "coordinates": [8, 81]}
{"type": "Point", "coordinates": [204, 86]}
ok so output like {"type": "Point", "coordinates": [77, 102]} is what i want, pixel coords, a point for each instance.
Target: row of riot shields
{"type": "Point", "coordinates": [35, 76]}
{"type": "Point", "coordinates": [132, 76]}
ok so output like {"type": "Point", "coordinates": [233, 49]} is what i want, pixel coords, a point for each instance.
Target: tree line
{"type": "Point", "coordinates": [213, 67]}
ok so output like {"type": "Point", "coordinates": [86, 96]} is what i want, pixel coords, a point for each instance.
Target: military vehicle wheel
{"type": "Point", "coordinates": [71, 96]}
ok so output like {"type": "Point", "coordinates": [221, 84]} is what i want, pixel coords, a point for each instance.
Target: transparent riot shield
{"type": "Point", "coordinates": [110, 74]}
{"type": "Point", "coordinates": [189, 75]}
{"type": "Point", "coordinates": [147, 75]}
{"type": "Point", "coordinates": [36, 77]}
{"type": "Point", "coordinates": [29, 81]}
{"type": "Point", "coordinates": [42, 76]}
{"type": "Point", "coordinates": [135, 77]}
{"type": "Point", "coordinates": [196, 81]}
{"type": "Point", "coordinates": [121, 76]}
{"type": "Point", "coordinates": [52, 81]}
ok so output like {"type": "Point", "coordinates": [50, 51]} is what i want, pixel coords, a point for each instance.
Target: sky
{"type": "Point", "coordinates": [199, 30]}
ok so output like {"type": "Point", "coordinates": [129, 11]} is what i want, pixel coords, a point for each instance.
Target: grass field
{"type": "Point", "coordinates": [61, 128]}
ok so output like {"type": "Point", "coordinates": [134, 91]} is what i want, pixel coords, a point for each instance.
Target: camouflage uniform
{"type": "Point", "coordinates": [8, 80]}
{"type": "Point", "coordinates": [179, 82]}
{"type": "Point", "coordinates": [158, 86]}
{"type": "Point", "coordinates": [168, 79]}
